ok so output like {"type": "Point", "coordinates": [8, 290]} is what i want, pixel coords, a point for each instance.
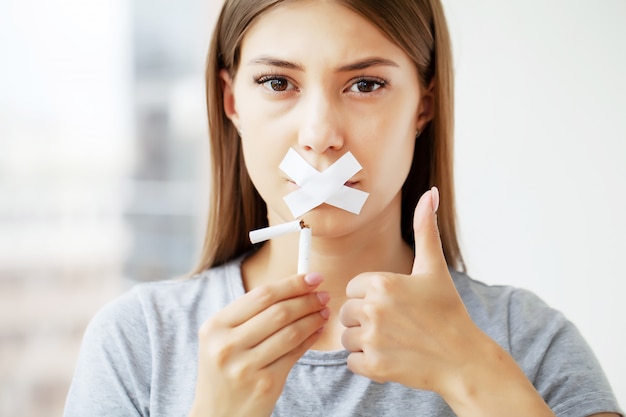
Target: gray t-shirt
{"type": "Point", "coordinates": [139, 356]}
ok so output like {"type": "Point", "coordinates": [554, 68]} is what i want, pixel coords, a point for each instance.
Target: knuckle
{"type": "Point", "coordinates": [280, 314]}
{"type": "Point", "coordinates": [265, 384]}
{"type": "Point", "coordinates": [204, 332]}
{"type": "Point", "coordinates": [384, 282]}
{"type": "Point", "coordinates": [264, 295]}
{"type": "Point", "coordinates": [240, 372]}
{"type": "Point", "coordinates": [369, 337]}
{"type": "Point", "coordinates": [345, 339]}
{"type": "Point", "coordinates": [221, 353]}
{"type": "Point", "coordinates": [373, 312]}
{"type": "Point", "coordinates": [344, 314]}
{"type": "Point", "coordinates": [292, 335]}
{"type": "Point", "coordinates": [376, 365]}
{"type": "Point", "coordinates": [207, 329]}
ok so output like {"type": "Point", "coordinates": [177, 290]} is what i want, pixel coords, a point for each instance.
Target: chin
{"type": "Point", "coordinates": [329, 221]}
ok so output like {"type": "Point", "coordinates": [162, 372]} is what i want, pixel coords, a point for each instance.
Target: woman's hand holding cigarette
{"type": "Point", "coordinates": [247, 349]}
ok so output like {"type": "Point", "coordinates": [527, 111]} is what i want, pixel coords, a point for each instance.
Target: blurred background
{"type": "Point", "coordinates": [102, 172]}
{"type": "Point", "coordinates": [104, 177]}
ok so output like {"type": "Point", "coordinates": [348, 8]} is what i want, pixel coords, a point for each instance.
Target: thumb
{"type": "Point", "coordinates": [428, 250]}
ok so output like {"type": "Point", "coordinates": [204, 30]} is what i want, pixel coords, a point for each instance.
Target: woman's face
{"type": "Point", "coordinates": [319, 78]}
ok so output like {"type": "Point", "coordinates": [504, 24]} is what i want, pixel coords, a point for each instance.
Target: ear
{"type": "Point", "coordinates": [230, 107]}
{"type": "Point", "coordinates": [426, 108]}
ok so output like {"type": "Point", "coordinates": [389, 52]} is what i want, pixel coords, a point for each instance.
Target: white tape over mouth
{"type": "Point", "coordinates": [317, 188]}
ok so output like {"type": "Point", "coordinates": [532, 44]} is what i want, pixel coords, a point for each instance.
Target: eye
{"type": "Point", "coordinates": [367, 85]}
{"type": "Point", "coordinates": [275, 84]}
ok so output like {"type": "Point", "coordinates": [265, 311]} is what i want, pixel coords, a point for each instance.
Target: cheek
{"type": "Point", "coordinates": [389, 151]}
{"type": "Point", "coordinates": [261, 146]}
{"type": "Point", "coordinates": [265, 141]}
{"type": "Point", "coordinates": [262, 156]}
{"type": "Point", "coordinates": [392, 166]}
{"type": "Point", "coordinates": [261, 161]}
{"type": "Point", "coordinates": [387, 160]}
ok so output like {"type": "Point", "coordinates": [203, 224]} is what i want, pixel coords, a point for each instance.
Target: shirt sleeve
{"type": "Point", "coordinates": [112, 376]}
{"type": "Point", "coordinates": [557, 359]}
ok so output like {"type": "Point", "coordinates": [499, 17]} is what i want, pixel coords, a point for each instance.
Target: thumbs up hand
{"type": "Point", "coordinates": [411, 329]}
{"type": "Point", "coordinates": [415, 330]}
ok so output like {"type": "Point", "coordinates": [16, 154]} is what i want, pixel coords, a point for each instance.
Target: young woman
{"type": "Point", "coordinates": [385, 324]}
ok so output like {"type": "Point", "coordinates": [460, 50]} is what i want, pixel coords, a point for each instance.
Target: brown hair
{"type": "Point", "coordinates": [419, 28]}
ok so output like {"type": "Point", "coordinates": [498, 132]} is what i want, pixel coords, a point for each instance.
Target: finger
{"type": "Point", "coordinates": [363, 364]}
{"type": "Point", "coordinates": [286, 362]}
{"type": "Point", "coordinates": [428, 251]}
{"type": "Point", "coordinates": [357, 363]}
{"type": "Point", "coordinates": [279, 315]}
{"type": "Point", "coordinates": [351, 339]}
{"type": "Point", "coordinates": [260, 298]}
{"type": "Point", "coordinates": [285, 340]}
{"type": "Point", "coordinates": [350, 312]}
{"type": "Point", "coordinates": [358, 286]}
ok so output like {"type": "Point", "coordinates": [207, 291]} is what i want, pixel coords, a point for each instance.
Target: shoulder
{"type": "Point", "coordinates": [502, 305]}
{"type": "Point", "coordinates": [516, 318]}
{"type": "Point", "coordinates": [148, 314]}
{"type": "Point", "coordinates": [494, 299]}
{"type": "Point", "coordinates": [144, 339]}
{"type": "Point", "coordinates": [146, 304]}
{"type": "Point", "coordinates": [545, 344]}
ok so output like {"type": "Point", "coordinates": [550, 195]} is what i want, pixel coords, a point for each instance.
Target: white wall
{"type": "Point", "coordinates": [541, 156]}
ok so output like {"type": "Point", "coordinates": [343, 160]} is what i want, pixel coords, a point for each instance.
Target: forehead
{"type": "Point", "coordinates": [317, 30]}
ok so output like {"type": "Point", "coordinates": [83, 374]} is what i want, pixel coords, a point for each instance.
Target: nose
{"type": "Point", "coordinates": [320, 124]}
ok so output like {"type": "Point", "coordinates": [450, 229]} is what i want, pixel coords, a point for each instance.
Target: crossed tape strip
{"type": "Point", "coordinates": [318, 187]}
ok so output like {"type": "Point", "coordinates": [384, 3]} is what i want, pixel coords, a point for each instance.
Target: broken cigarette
{"type": "Point", "coordinates": [304, 246]}
{"type": "Point", "coordinates": [304, 249]}
{"type": "Point", "coordinates": [261, 235]}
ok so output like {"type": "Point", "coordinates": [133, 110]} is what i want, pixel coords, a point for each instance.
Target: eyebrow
{"type": "Point", "coordinates": [366, 63]}
{"type": "Point", "coordinates": [275, 62]}
{"type": "Point", "coordinates": [355, 66]}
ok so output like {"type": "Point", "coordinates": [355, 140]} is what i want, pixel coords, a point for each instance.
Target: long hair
{"type": "Point", "coordinates": [418, 27]}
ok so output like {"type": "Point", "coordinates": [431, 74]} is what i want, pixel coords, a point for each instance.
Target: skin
{"type": "Point", "coordinates": [302, 91]}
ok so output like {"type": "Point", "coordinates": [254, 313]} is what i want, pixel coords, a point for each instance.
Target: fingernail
{"type": "Point", "coordinates": [313, 278]}
{"type": "Point", "coordinates": [434, 192]}
{"type": "Point", "coordinates": [325, 313]}
{"type": "Point", "coordinates": [324, 297]}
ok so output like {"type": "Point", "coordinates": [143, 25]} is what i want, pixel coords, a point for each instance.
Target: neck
{"type": "Point", "coordinates": [375, 247]}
